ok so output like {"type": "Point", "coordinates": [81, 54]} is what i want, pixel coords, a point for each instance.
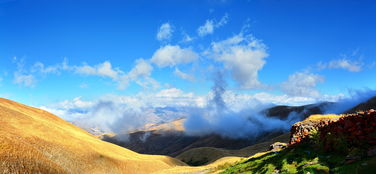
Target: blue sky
{"type": "Point", "coordinates": [304, 51]}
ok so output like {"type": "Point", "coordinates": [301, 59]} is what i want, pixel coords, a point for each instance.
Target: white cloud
{"type": "Point", "coordinates": [244, 56]}
{"type": "Point", "coordinates": [173, 93]}
{"type": "Point", "coordinates": [187, 38]}
{"type": "Point", "coordinates": [142, 68]}
{"type": "Point", "coordinates": [141, 74]}
{"type": "Point", "coordinates": [346, 64]}
{"type": "Point", "coordinates": [113, 113]}
{"type": "Point", "coordinates": [223, 21]}
{"type": "Point", "coordinates": [210, 25]}
{"type": "Point", "coordinates": [26, 80]}
{"type": "Point", "coordinates": [39, 67]}
{"type": "Point", "coordinates": [103, 69]}
{"type": "Point", "coordinates": [27, 76]}
{"type": "Point", "coordinates": [165, 32]}
{"type": "Point", "coordinates": [302, 84]}
{"type": "Point", "coordinates": [21, 75]}
{"type": "Point", "coordinates": [170, 55]}
{"type": "Point", "coordinates": [183, 75]}
{"type": "Point", "coordinates": [207, 28]}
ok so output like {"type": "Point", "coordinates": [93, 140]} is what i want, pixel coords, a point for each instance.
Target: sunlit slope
{"type": "Point", "coordinates": [35, 141]}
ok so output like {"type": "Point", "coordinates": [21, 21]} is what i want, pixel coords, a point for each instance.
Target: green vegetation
{"type": "Point", "coordinates": [302, 158]}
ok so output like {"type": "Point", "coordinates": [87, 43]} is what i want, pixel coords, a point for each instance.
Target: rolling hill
{"type": "Point", "coordinates": [169, 138]}
{"type": "Point", "coordinates": [369, 104]}
{"type": "Point", "coordinates": [35, 141]}
{"type": "Point", "coordinates": [173, 141]}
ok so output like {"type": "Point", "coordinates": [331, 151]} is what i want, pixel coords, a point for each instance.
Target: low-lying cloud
{"type": "Point", "coordinates": [218, 118]}
{"type": "Point", "coordinates": [344, 104]}
{"type": "Point", "coordinates": [221, 111]}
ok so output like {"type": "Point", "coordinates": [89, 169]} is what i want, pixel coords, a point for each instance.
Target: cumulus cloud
{"type": "Point", "coordinates": [346, 64]}
{"type": "Point", "coordinates": [210, 25]}
{"type": "Point", "coordinates": [140, 73]}
{"type": "Point", "coordinates": [165, 32]}
{"type": "Point", "coordinates": [103, 69]}
{"type": "Point", "coordinates": [302, 84]}
{"type": "Point", "coordinates": [183, 75]}
{"type": "Point", "coordinates": [170, 55]}
{"type": "Point", "coordinates": [244, 56]}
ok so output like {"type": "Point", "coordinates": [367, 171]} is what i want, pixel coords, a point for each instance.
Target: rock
{"type": "Point", "coordinates": [277, 146]}
{"type": "Point", "coordinates": [311, 163]}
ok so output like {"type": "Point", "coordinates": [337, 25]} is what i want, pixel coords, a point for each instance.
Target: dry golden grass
{"type": "Point", "coordinates": [176, 125]}
{"type": "Point", "coordinates": [35, 141]}
{"type": "Point", "coordinates": [322, 117]}
{"type": "Point", "coordinates": [211, 168]}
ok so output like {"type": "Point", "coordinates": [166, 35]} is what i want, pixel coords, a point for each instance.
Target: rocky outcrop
{"type": "Point", "coordinates": [356, 130]}
{"type": "Point", "coordinates": [303, 129]}
{"type": "Point", "coordinates": [352, 130]}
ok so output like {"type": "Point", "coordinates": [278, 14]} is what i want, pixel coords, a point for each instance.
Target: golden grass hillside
{"type": "Point", "coordinates": [176, 125]}
{"type": "Point", "coordinates": [35, 141]}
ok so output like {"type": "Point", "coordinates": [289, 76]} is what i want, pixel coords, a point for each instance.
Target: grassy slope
{"type": "Point", "coordinates": [302, 159]}
{"type": "Point", "coordinates": [306, 157]}
{"type": "Point", "coordinates": [35, 141]}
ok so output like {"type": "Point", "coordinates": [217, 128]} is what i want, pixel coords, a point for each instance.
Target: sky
{"type": "Point", "coordinates": [63, 56]}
